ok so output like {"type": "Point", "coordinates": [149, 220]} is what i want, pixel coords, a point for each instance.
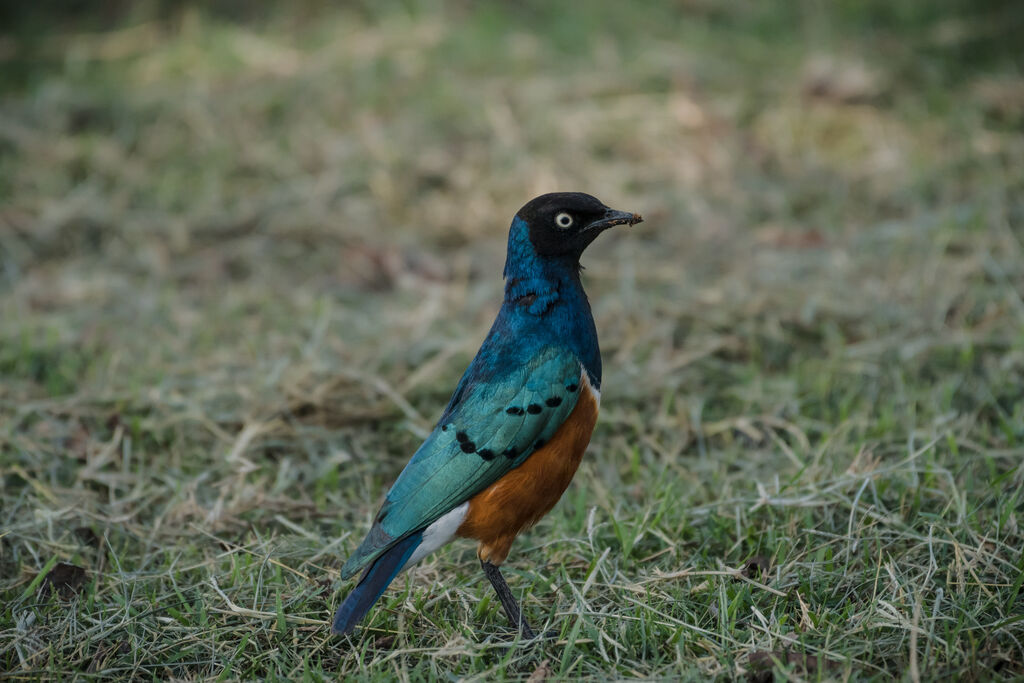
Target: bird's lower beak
{"type": "Point", "coordinates": [612, 217]}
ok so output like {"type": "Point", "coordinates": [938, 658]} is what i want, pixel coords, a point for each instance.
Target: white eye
{"type": "Point", "coordinates": [563, 220]}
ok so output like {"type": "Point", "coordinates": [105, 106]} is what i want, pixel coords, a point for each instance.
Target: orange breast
{"type": "Point", "coordinates": [519, 499]}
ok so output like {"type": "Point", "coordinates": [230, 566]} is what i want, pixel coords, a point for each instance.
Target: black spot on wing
{"type": "Point", "coordinates": [490, 448]}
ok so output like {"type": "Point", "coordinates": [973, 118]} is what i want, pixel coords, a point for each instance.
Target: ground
{"type": "Point", "coordinates": [245, 256]}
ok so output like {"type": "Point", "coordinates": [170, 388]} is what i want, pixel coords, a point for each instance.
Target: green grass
{"type": "Point", "coordinates": [245, 256]}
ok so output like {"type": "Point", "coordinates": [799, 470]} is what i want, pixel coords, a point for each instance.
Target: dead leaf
{"type": "Point", "coordinates": [66, 579]}
{"type": "Point", "coordinates": [541, 673]}
{"type": "Point", "coordinates": [384, 642]}
{"type": "Point", "coordinates": [87, 536]}
{"type": "Point", "coordinates": [757, 567]}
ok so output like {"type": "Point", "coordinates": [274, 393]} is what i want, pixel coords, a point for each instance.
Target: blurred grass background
{"type": "Point", "coordinates": [246, 250]}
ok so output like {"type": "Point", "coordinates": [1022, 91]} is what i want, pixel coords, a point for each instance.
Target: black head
{"type": "Point", "coordinates": [563, 224]}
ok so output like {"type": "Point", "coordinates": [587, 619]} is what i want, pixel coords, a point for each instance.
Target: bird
{"type": "Point", "coordinates": [514, 431]}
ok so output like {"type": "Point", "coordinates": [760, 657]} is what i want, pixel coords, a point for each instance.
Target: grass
{"type": "Point", "coordinates": [244, 258]}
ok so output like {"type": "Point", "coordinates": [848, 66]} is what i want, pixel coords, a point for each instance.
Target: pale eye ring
{"type": "Point", "coordinates": [563, 220]}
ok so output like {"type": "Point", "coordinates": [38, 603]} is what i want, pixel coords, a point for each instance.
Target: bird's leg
{"type": "Point", "coordinates": [507, 599]}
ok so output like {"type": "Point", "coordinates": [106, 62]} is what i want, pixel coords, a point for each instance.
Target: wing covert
{"type": "Point", "coordinates": [494, 426]}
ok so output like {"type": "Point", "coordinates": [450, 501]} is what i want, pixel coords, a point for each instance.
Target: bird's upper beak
{"type": "Point", "coordinates": [612, 217]}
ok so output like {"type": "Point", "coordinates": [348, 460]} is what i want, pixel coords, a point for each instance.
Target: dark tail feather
{"type": "Point", "coordinates": [376, 579]}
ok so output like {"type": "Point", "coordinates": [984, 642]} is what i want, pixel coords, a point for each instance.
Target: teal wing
{"type": "Point", "coordinates": [491, 426]}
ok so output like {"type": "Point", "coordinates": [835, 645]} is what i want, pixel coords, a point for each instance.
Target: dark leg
{"type": "Point", "coordinates": [507, 600]}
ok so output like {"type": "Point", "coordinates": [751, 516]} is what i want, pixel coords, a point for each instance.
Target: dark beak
{"type": "Point", "coordinates": [612, 217]}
